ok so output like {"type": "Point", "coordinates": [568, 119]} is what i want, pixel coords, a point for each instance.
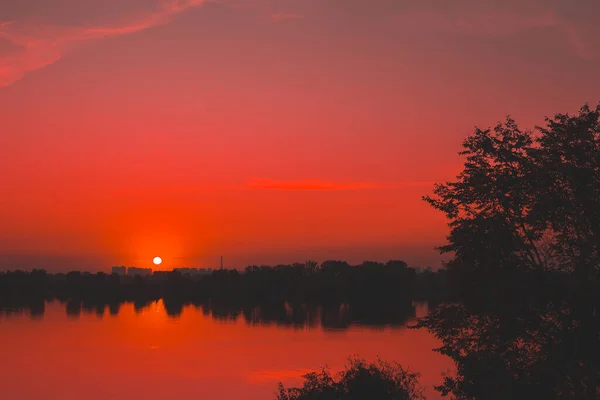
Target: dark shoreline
{"type": "Point", "coordinates": [371, 293]}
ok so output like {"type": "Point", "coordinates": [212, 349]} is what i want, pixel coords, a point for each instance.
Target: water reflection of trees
{"type": "Point", "coordinates": [337, 316]}
{"type": "Point", "coordinates": [334, 294]}
{"type": "Point", "coordinates": [331, 317]}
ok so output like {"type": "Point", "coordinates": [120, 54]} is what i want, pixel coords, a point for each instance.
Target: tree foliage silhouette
{"type": "Point", "coordinates": [524, 217]}
{"type": "Point", "coordinates": [360, 380]}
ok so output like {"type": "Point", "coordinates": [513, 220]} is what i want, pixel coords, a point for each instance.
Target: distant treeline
{"type": "Point", "coordinates": [295, 294]}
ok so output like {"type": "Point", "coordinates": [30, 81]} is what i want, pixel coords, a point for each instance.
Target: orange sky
{"type": "Point", "coordinates": [264, 131]}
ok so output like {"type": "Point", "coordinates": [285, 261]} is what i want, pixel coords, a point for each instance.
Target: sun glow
{"type": "Point", "coordinates": [157, 261]}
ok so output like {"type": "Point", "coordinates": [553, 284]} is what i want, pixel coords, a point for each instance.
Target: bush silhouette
{"type": "Point", "coordinates": [378, 380]}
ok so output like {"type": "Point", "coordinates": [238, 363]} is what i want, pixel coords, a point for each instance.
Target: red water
{"type": "Point", "coordinates": [152, 356]}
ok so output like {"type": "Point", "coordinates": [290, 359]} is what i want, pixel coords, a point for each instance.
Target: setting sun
{"type": "Point", "coordinates": [157, 260]}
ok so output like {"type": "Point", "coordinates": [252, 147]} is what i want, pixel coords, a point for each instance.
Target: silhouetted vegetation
{"type": "Point", "coordinates": [525, 237]}
{"type": "Point", "coordinates": [360, 380]}
{"type": "Point", "coordinates": [333, 294]}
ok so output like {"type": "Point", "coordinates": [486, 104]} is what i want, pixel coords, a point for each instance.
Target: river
{"type": "Point", "coordinates": [151, 355]}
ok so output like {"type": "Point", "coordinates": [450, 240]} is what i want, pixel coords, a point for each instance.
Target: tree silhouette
{"type": "Point", "coordinates": [360, 380]}
{"type": "Point", "coordinates": [525, 237]}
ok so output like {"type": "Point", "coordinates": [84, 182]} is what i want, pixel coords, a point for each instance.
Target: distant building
{"type": "Point", "coordinates": [133, 271]}
{"type": "Point", "coordinates": [122, 271]}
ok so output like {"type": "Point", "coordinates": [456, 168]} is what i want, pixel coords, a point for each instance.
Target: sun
{"type": "Point", "coordinates": [157, 260]}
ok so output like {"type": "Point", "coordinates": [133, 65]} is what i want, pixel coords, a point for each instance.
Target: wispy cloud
{"type": "Point", "coordinates": [34, 46]}
{"type": "Point", "coordinates": [39, 46]}
{"type": "Point", "coordinates": [319, 185]}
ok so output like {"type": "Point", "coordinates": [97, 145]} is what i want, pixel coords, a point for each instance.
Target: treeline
{"type": "Point", "coordinates": [298, 293]}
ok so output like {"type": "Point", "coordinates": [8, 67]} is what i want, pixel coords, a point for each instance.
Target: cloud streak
{"type": "Point", "coordinates": [319, 185]}
{"type": "Point", "coordinates": [34, 46]}
{"type": "Point", "coordinates": [40, 46]}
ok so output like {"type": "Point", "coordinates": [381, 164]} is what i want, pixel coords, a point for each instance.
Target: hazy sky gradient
{"type": "Point", "coordinates": [266, 131]}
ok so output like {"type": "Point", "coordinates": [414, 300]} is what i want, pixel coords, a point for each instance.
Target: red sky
{"type": "Point", "coordinates": [266, 131]}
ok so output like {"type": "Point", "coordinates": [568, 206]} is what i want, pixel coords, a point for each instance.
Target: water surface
{"type": "Point", "coordinates": [149, 354]}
